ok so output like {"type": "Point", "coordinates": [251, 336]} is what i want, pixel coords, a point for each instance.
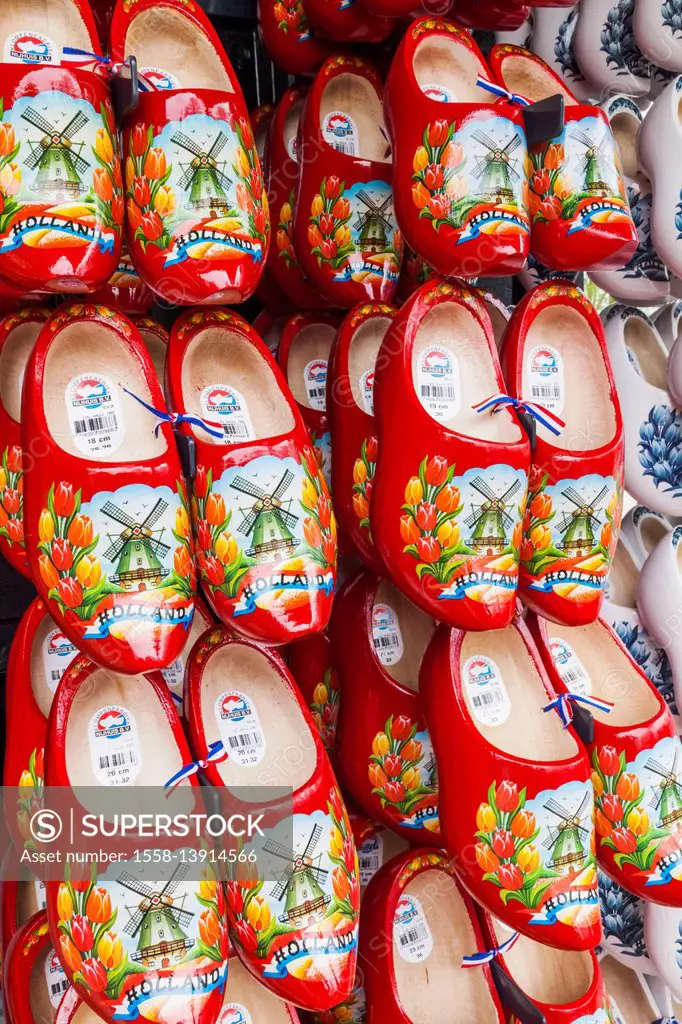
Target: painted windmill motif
{"type": "Point", "coordinates": [374, 223]}
{"type": "Point", "coordinates": [490, 522]}
{"type": "Point", "coordinates": [204, 176]}
{"type": "Point", "coordinates": [580, 526]}
{"type": "Point", "coordinates": [267, 522]}
{"type": "Point", "coordinates": [158, 920]}
{"type": "Point", "coordinates": [57, 157]}
{"type": "Point", "coordinates": [668, 800]}
{"type": "Point", "coordinates": [138, 551]}
{"type": "Point", "coordinates": [305, 902]}
{"type": "Point", "coordinates": [596, 156]}
{"type": "Point", "coordinates": [568, 839]}
{"type": "Point", "coordinates": [495, 169]}
{"type": "Point", "coordinates": [431, 769]}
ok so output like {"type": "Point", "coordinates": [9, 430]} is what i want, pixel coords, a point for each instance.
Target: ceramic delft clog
{"type": "Point", "coordinates": [644, 280]}
{"type": "Point", "coordinates": [384, 749]}
{"type": "Point", "coordinates": [417, 926]}
{"type": "Point", "coordinates": [656, 30]}
{"type": "Point", "coordinates": [555, 355]}
{"type": "Point", "coordinates": [631, 995]}
{"type": "Point", "coordinates": [663, 929]}
{"type": "Point", "coordinates": [346, 236]}
{"type": "Point", "coordinates": [347, 22]}
{"type": "Point", "coordinates": [450, 482]}
{"type": "Point", "coordinates": [106, 511]}
{"type": "Point", "coordinates": [33, 979]}
{"type": "Point", "coordinates": [644, 529]}
{"type": "Point", "coordinates": [622, 916]}
{"type": "Point", "coordinates": [282, 177]}
{"type": "Point", "coordinates": [295, 930]}
{"type": "Point", "coordinates": [663, 121]}
{"type": "Point", "coordinates": [535, 273]}
{"type": "Point", "coordinates": [311, 665]}
{"type": "Point", "coordinates": [460, 181]}
{"type": "Point", "coordinates": [606, 50]}
{"type": "Point", "coordinates": [666, 321]}
{"type": "Point", "coordinates": [155, 337]}
{"type": "Point", "coordinates": [675, 374]}
{"type": "Point", "coordinates": [18, 334]}
{"type": "Point", "coordinates": [635, 756]}
{"type": "Point", "coordinates": [652, 424]}
{"type": "Point", "coordinates": [264, 525]}
{"type": "Point", "coordinates": [537, 982]}
{"type": "Point", "coordinates": [552, 40]}
{"type": "Point", "coordinates": [578, 201]}
{"type": "Point", "coordinates": [108, 730]}
{"type": "Point", "coordinates": [60, 176]}
{"type": "Point", "coordinates": [303, 355]}
{"type": "Point", "coordinates": [351, 418]}
{"type": "Point", "coordinates": [197, 217]}
{"type": "Point", "coordinates": [516, 795]}
{"type": "Point", "coordinates": [289, 39]}
{"type": "Point", "coordinates": [659, 600]}
{"type": "Point", "coordinates": [125, 290]}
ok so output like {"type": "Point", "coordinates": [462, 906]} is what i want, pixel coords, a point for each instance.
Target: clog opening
{"type": "Point", "coordinates": [84, 1015]}
{"type": "Point", "coordinates": [531, 79]}
{"type": "Point", "coordinates": [652, 531]}
{"type": "Point", "coordinates": [42, 1008]}
{"type": "Point", "coordinates": [30, 899]}
{"type": "Point", "coordinates": [433, 988]}
{"type": "Point", "coordinates": [451, 335]}
{"type": "Point", "coordinates": [291, 131]}
{"type": "Point", "coordinates": [545, 974]}
{"type": "Point", "coordinates": [449, 67]}
{"type": "Point", "coordinates": [623, 578]}
{"type": "Point", "coordinates": [307, 365]}
{"type": "Point", "coordinates": [217, 359]}
{"type": "Point", "coordinates": [625, 127]}
{"type": "Point", "coordinates": [357, 98]}
{"type": "Point", "coordinates": [169, 40]}
{"type": "Point", "coordinates": [499, 318]}
{"type": "Point", "coordinates": [609, 673]}
{"type": "Point", "coordinates": [518, 726]}
{"type": "Point", "coordinates": [260, 1004]}
{"type": "Point", "coordinates": [646, 352]}
{"type": "Point", "coordinates": [13, 358]}
{"type": "Point", "coordinates": [157, 351]}
{"type": "Point", "coordinates": [625, 990]}
{"type": "Point", "coordinates": [59, 20]}
{"type": "Point", "coordinates": [401, 632]}
{"type": "Point", "coordinates": [260, 137]}
{"type": "Point", "coordinates": [44, 679]}
{"type": "Point", "coordinates": [362, 357]}
{"type": "Point", "coordinates": [284, 750]}
{"type": "Point", "coordinates": [560, 339]}
{"type": "Point", "coordinates": [87, 367]}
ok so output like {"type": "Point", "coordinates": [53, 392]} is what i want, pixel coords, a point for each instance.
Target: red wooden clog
{"type": "Point", "coordinates": [265, 529]}
{"type": "Point", "coordinates": [155, 337]}
{"type": "Point", "coordinates": [384, 748]}
{"type": "Point", "coordinates": [413, 274]}
{"type": "Point", "coordinates": [351, 419]}
{"type": "Point", "coordinates": [555, 356]}
{"type": "Point", "coordinates": [450, 483]}
{"type": "Point", "coordinates": [346, 236]}
{"type": "Point", "coordinates": [247, 1001]}
{"type": "Point", "coordinates": [417, 925]}
{"type": "Point", "coordinates": [578, 202]}
{"type": "Point", "coordinates": [347, 21]}
{"type": "Point", "coordinates": [197, 215]}
{"type": "Point", "coordinates": [106, 513]}
{"type": "Point", "coordinates": [18, 334]}
{"type": "Point", "coordinates": [298, 935]}
{"type": "Point", "coordinates": [22, 895]}
{"type": "Point", "coordinates": [61, 221]}
{"type": "Point", "coordinates": [310, 662]}
{"type": "Point", "coordinates": [72, 1010]}
{"type": "Point", "coordinates": [174, 675]}
{"type": "Point", "coordinates": [493, 15]}
{"type": "Point", "coordinates": [635, 755]}
{"type": "Point", "coordinates": [290, 40]}
{"type": "Point", "coordinates": [107, 729]}
{"type": "Point", "coordinates": [125, 290]}
{"type": "Point", "coordinates": [460, 182]}
{"type": "Point", "coordinates": [33, 980]}
{"type": "Point", "coordinates": [515, 785]}
{"type": "Point", "coordinates": [282, 178]}
{"type": "Point", "coordinates": [303, 355]}
{"type": "Point", "coordinates": [269, 327]}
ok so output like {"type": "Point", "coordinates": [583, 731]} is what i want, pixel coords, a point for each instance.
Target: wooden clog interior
{"type": "Point", "coordinates": [164, 38]}
{"type": "Point", "coordinates": [650, 353]}
{"type": "Point", "coordinates": [13, 358]}
{"type": "Point", "coordinates": [416, 629]}
{"type": "Point", "coordinates": [453, 66]}
{"type": "Point", "coordinates": [313, 342]}
{"type": "Point", "coordinates": [363, 351]}
{"type": "Point", "coordinates": [357, 97]}
{"type": "Point", "coordinates": [59, 20]}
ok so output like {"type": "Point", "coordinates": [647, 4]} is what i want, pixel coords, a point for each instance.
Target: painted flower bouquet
{"type": "Point", "coordinates": [150, 199]}
{"type": "Point", "coordinates": [328, 226]}
{"type": "Point", "coordinates": [429, 526]}
{"type": "Point", "coordinates": [251, 195]}
{"type": "Point", "coordinates": [440, 191]}
{"type": "Point", "coordinates": [12, 496]}
{"type": "Point", "coordinates": [325, 707]}
{"type": "Point", "coordinates": [363, 477]}
{"type": "Point", "coordinates": [394, 766]}
{"type": "Point", "coordinates": [221, 561]}
{"type": "Point", "coordinates": [319, 525]}
{"type": "Point", "coordinates": [621, 822]}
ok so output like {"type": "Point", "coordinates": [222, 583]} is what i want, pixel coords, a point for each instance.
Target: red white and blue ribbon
{"type": "Point", "coordinates": [216, 753]}
{"type": "Point", "coordinates": [84, 60]}
{"type": "Point", "coordinates": [176, 418]}
{"type": "Point", "coordinates": [499, 90]}
{"type": "Point", "coordinates": [562, 704]}
{"type": "Point", "coordinates": [489, 954]}
{"type": "Point", "coordinates": [548, 419]}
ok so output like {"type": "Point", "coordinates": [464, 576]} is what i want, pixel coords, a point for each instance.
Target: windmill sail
{"type": "Point", "coordinates": [158, 920]}
{"type": "Point", "coordinates": [495, 169]}
{"type": "Point", "coordinates": [667, 800]}
{"type": "Point", "coordinates": [490, 522]}
{"type": "Point", "coordinates": [579, 527]}
{"type": "Point", "coordinates": [57, 156]}
{"type": "Point", "coordinates": [138, 551]}
{"type": "Point", "coordinates": [374, 223]}
{"type": "Point", "coordinates": [267, 522]}
{"type": "Point", "coordinates": [300, 886]}
{"type": "Point", "coordinates": [204, 176]}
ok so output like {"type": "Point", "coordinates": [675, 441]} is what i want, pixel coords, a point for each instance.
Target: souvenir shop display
{"type": "Point", "coordinates": [341, 479]}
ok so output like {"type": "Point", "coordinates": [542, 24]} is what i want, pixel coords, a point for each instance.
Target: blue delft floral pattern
{"type": "Point", "coordinates": [651, 659]}
{"type": "Point", "coordinates": [671, 15]}
{"type": "Point", "coordinates": [660, 449]}
{"type": "Point", "coordinates": [563, 48]}
{"type": "Point", "coordinates": [618, 41]}
{"type": "Point", "coordinates": [621, 917]}
{"type": "Point", "coordinates": [645, 262]}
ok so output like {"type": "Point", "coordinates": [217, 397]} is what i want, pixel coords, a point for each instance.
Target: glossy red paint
{"type": "Point", "coordinates": [125, 290]}
{"type": "Point", "coordinates": [310, 662]}
{"type": "Point", "coordinates": [290, 40]}
{"type": "Point", "coordinates": [346, 21]}
{"type": "Point", "coordinates": [25, 981]}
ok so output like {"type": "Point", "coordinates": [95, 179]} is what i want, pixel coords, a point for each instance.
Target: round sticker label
{"type": "Point", "coordinates": [240, 728]}
{"type": "Point", "coordinates": [114, 746]}
{"type": "Point", "coordinates": [569, 666]}
{"type": "Point", "coordinates": [97, 426]}
{"type": "Point", "coordinates": [292, 147]}
{"type": "Point", "coordinates": [340, 131]}
{"type": "Point", "coordinates": [437, 92]}
{"type": "Point", "coordinates": [438, 382]}
{"type": "Point", "coordinates": [315, 376]}
{"type": "Point", "coordinates": [386, 635]}
{"type": "Point", "coordinates": [370, 858]}
{"type": "Point", "coordinates": [55, 978]}
{"type": "Point", "coordinates": [411, 932]}
{"type": "Point", "coordinates": [234, 1013]}
{"type": "Point", "coordinates": [367, 391]}
{"type": "Point", "coordinates": [223, 404]}
{"type": "Point", "coordinates": [58, 653]}
{"type": "Point", "coordinates": [28, 47]}
{"type": "Point", "coordinates": [546, 377]}
{"type": "Point", "coordinates": [158, 78]}
{"type": "Point", "coordinates": [486, 690]}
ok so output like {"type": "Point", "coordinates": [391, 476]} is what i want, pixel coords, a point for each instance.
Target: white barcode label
{"type": "Point", "coordinates": [240, 727]}
{"type": "Point", "coordinates": [30, 47]}
{"type": "Point", "coordinates": [315, 377]}
{"type": "Point", "coordinates": [437, 381]}
{"type": "Point", "coordinates": [97, 426]}
{"type": "Point", "coordinates": [114, 746]}
{"type": "Point", "coordinates": [573, 673]}
{"type": "Point", "coordinates": [386, 636]}
{"type": "Point", "coordinates": [370, 858]}
{"type": "Point", "coordinates": [367, 391]}
{"type": "Point", "coordinates": [340, 131]}
{"type": "Point", "coordinates": [58, 652]}
{"type": "Point", "coordinates": [55, 978]}
{"type": "Point", "coordinates": [221, 403]}
{"type": "Point", "coordinates": [545, 372]}
{"type": "Point", "coordinates": [411, 932]}
{"type": "Point", "coordinates": [486, 691]}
